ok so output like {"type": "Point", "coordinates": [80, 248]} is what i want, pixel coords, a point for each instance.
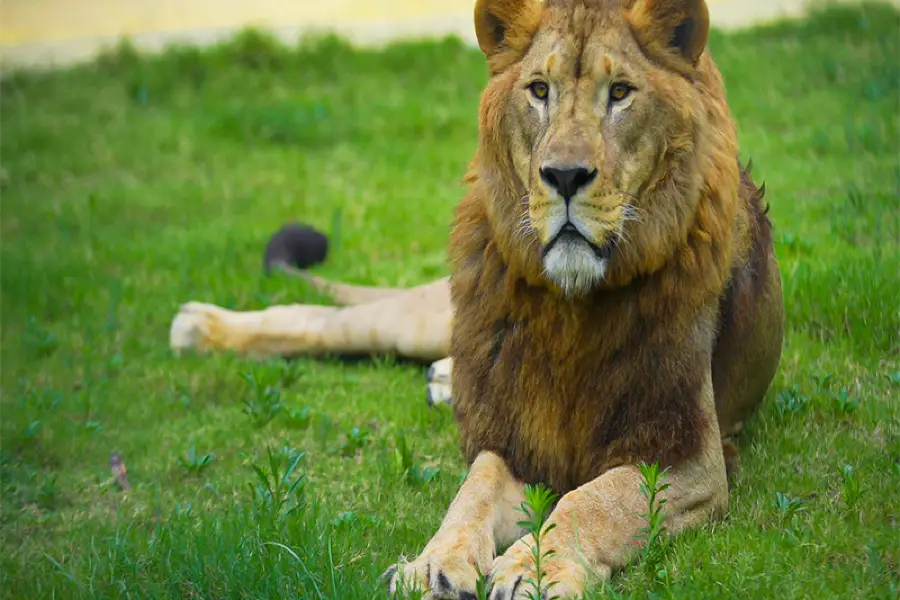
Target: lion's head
{"type": "Point", "coordinates": [602, 122]}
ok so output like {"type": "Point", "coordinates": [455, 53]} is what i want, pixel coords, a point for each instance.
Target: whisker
{"type": "Point", "coordinates": [632, 213]}
{"type": "Point", "coordinates": [625, 239]}
{"type": "Point", "coordinates": [525, 226]}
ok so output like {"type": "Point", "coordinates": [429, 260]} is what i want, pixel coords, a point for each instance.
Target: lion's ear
{"type": "Point", "coordinates": [671, 27]}
{"type": "Point", "coordinates": [504, 29]}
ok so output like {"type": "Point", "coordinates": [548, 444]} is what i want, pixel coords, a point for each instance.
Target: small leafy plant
{"type": "Point", "coordinates": [786, 505]}
{"type": "Point", "coordinates": [278, 492]}
{"type": "Point", "coordinates": [38, 341]}
{"type": "Point", "coordinates": [852, 490]}
{"type": "Point", "coordinates": [842, 400]}
{"type": "Point", "coordinates": [31, 430]}
{"type": "Point", "coordinates": [651, 487]}
{"type": "Point", "coordinates": [180, 394]}
{"type": "Point", "coordinates": [354, 440]}
{"type": "Point", "coordinates": [845, 403]}
{"type": "Point", "coordinates": [24, 485]}
{"type": "Point", "coordinates": [790, 402]}
{"type": "Point", "coordinates": [42, 400]}
{"type": "Point", "coordinates": [795, 530]}
{"type": "Point", "coordinates": [482, 585]}
{"type": "Point", "coordinates": [47, 495]}
{"type": "Point", "coordinates": [539, 501]}
{"type": "Point", "coordinates": [264, 400]}
{"type": "Point", "coordinates": [183, 510]}
{"type": "Point", "coordinates": [298, 418]}
{"type": "Point", "coordinates": [406, 467]}
{"type": "Point", "coordinates": [823, 381]}
{"type": "Point", "coordinates": [194, 463]}
{"type": "Point", "coordinates": [323, 427]}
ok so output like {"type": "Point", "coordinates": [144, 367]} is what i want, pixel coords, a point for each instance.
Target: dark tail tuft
{"type": "Point", "coordinates": [296, 245]}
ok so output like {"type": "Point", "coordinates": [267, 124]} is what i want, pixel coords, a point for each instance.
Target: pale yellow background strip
{"type": "Point", "coordinates": [44, 31]}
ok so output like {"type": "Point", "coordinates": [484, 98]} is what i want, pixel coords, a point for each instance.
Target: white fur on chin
{"type": "Point", "coordinates": [572, 265]}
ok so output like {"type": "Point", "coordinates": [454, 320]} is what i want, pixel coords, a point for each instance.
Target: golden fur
{"type": "Point", "coordinates": [614, 293]}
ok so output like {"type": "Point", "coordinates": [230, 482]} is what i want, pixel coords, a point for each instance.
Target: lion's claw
{"type": "Point", "coordinates": [502, 592]}
{"type": "Point", "coordinates": [441, 578]}
{"type": "Point", "coordinates": [512, 575]}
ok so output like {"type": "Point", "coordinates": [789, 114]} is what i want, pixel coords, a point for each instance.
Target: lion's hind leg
{"type": "Point", "coordinates": [273, 332]}
{"type": "Point", "coordinates": [414, 324]}
{"type": "Point", "coordinates": [748, 349]}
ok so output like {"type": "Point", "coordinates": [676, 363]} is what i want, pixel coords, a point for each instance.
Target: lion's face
{"type": "Point", "coordinates": [590, 124]}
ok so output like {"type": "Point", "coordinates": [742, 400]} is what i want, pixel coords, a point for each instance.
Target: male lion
{"type": "Point", "coordinates": [615, 294]}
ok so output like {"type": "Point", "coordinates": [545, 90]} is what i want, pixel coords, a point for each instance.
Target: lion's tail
{"type": "Point", "coordinates": [295, 247]}
{"type": "Point", "coordinates": [343, 294]}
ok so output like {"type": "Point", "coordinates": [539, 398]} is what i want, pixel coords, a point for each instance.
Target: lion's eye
{"type": "Point", "coordinates": [539, 90]}
{"type": "Point", "coordinates": [619, 91]}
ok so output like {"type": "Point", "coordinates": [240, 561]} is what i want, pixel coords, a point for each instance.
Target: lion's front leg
{"type": "Point", "coordinates": [440, 388]}
{"type": "Point", "coordinates": [596, 524]}
{"type": "Point", "coordinates": [482, 515]}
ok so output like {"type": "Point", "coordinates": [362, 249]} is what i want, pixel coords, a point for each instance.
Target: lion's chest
{"type": "Point", "coordinates": [543, 394]}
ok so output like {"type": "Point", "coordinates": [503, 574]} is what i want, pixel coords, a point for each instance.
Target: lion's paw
{"type": "Point", "coordinates": [439, 573]}
{"type": "Point", "coordinates": [513, 574]}
{"type": "Point", "coordinates": [195, 326]}
{"type": "Point", "coordinates": [439, 389]}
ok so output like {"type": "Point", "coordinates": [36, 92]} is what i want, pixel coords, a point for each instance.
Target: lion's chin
{"type": "Point", "coordinates": [573, 265]}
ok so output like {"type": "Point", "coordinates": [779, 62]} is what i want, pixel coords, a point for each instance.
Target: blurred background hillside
{"type": "Point", "coordinates": [61, 31]}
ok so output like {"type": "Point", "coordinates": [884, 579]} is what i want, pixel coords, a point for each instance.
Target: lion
{"type": "Point", "coordinates": [614, 296]}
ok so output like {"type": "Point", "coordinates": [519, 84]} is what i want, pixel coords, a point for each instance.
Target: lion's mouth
{"type": "Point", "coordinates": [570, 232]}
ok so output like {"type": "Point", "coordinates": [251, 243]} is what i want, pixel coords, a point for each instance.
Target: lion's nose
{"type": "Point", "coordinates": [567, 180]}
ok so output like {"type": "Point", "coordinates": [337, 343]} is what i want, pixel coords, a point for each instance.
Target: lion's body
{"type": "Point", "coordinates": [614, 295]}
{"type": "Point", "coordinates": [579, 388]}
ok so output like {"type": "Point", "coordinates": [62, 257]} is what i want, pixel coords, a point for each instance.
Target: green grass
{"type": "Point", "coordinates": [134, 184]}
